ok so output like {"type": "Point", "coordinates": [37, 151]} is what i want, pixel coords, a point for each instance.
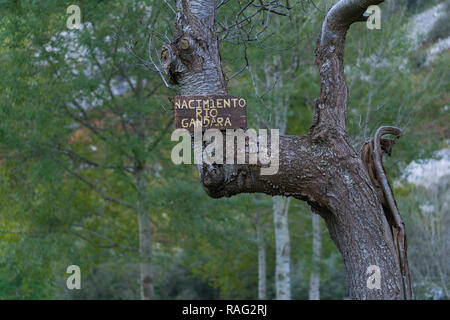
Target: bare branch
{"type": "Point", "coordinates": [342, 15]}
{"type": "Point", "coordinates": [151, 65]}
{"type": "Point", "coordinates": [170, 7]}
{"type": "Point", "coordinates": [95, 187]}
{"type": "Point", "coordinates": [112, 244]}
{"type": "Point", "coordinates": [331, 106]}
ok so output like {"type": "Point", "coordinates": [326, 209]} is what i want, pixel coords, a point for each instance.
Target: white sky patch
{"type": "Point", "coordinates": [120, 86]}
{"type": "Point", "coordinates": [423, 23]}
{"type": "Point", "coordinates": [79, 61]}
{"type": "Point", "coordinates": [428, 172]}
{"type": "Point", "coordinates": [376, 61]}
{"type": "Point", "coordinates": [437, 49]}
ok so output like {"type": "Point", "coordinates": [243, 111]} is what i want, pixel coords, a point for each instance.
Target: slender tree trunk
{"type": "Point", "coordinates": [278, 104]}
{"type": "Point", "coordinates": [321, 167]}
{"type": "Point", "coordinates": [274, 84]}
{"type": "Point", "coordinates": [282, 246]}
{"type": "Point", "coordinates": [314, 280]}
{"type": "Point", "coordinates": [261, 258]}
{"type": "Point", "coordinates": [145, 240]}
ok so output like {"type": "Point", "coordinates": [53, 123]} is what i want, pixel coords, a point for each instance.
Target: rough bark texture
{"type": "Point", "coordinates": [371, 155]}
{"type": "Point", "coordinates": [193, 58]}
{"type": "Point", "coordinates": [262, 286]}
{"type": "Point", "coordinates": [282, 248]}
{"type": "Point", "coordinates": [314, 280]}
{"type": "Point", "coordinates": [321, 168]}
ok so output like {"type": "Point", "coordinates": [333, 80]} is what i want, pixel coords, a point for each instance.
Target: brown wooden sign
{"type": "Point", "coordinates": [212, 111]}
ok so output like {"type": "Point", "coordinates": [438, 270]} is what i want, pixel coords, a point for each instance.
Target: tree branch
{"type": "Point", "coordinates": [95, 187]}
{"type": "Point", "coordinates": [331, 106]}
{"type": "Point", "coordinates": [342, 15]}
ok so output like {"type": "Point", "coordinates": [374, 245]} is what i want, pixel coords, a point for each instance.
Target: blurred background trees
{"type": "Point", "coordinates": [85, 165]}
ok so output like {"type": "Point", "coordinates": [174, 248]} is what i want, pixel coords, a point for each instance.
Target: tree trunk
{"type": "Point", "coordinates": [321, 167]}
{"type": "Point", "coordinates": [278, 104]}
{"type": "Point", "coordinates": [282, 246]}
{"type": "Point", "coordinates": [314, 280]}
{"type": "Point", "coordinates": [261, 258]}
{"type": "Point", "coordinates": [145, 239]}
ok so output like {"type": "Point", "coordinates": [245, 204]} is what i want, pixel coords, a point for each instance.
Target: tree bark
{"type": "Point", "coordinates": [321, 167]}
{"type": "Point", "coordinates": [262, 286]}
{"type": "Point", "coordinates": [282, 248]}
{"type": "Point", "coordinates": [314, 280]}
{"type": "Point", "coordinates": [145, 239]}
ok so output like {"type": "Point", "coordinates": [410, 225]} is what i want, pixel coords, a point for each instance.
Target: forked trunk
{"type": "Point", "coordinates": [321, 168]}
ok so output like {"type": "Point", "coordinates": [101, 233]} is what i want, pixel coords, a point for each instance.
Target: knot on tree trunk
{"type": "Point", "coordinates": [193, 53]}
{"type": "Point", "coordinates": [213, 179]}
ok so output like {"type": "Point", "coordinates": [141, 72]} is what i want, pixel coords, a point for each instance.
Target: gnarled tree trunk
{"type": "Point", "coordinates": [321, 167]}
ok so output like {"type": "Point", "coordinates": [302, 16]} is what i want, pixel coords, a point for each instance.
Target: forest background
{"type": "Point", "coordinates": [85, 167]}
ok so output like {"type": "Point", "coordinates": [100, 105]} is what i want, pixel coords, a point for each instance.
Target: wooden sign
{"type": "Point", "coordinates": [212, 111]}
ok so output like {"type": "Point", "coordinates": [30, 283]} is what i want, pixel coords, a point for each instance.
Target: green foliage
{"type": "Point", "coordinates": [79, 114]}
{"type": "Point", "coordinates": [416, 6]}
